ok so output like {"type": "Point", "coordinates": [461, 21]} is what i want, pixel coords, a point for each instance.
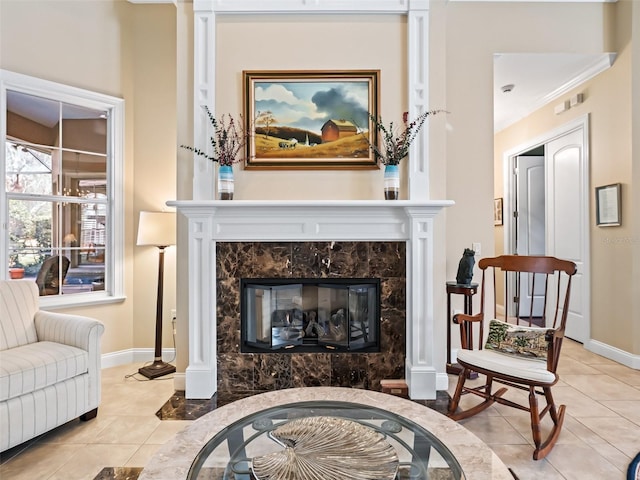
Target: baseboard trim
{"type": "Point", "coordinates": [179, 381]}
{"type": "Point", "coordinates": [135, 355]}
{"type": "Point", "coordinates": [442, 381]}
{"type": "Point", "coordinates": [613, 353]}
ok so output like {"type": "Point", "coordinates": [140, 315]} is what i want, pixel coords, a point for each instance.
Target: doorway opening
{"type": "Point", "coordinates": [547, 200]}
{"type": "Point", "coordinates": [529, 222]}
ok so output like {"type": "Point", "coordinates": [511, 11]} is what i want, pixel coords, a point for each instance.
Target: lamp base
{"type": "Point", "coordinates": [157, 369]}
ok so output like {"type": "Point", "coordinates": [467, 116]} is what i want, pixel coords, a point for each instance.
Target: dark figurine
{"type": "Point", "coordinates": [465, 267]}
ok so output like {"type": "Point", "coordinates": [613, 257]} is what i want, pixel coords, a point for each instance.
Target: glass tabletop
{"type": "Point", "coordinates": [230, 454]}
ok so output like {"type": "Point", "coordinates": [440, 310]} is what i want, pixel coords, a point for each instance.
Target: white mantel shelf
{"type": "Point", "coordinates": [210, 221]}
{"type": "Point", "coordinates": [337, 220]}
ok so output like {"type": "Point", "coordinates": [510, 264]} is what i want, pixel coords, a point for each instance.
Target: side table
{"type": "Point", "coordinates": [454, 288]}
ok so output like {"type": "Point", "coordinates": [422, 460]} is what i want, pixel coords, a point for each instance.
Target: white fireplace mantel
{"type": "Point", "coordinates": [210, 221]}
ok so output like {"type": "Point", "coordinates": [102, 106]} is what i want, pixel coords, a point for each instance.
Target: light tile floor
{"type": "Point", "coordinates": [600, 436]}
{"type": "Point", "coordinates": [601, 431]}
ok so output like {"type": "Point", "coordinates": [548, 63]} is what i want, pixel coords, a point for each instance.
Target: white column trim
{"type": "Point", "coordinates": [201, 375]}
{"type": "Point", "coordinates": [420, 371]}
{"type": "Point", "coordinates": [204, 95]}
{"type": "Point", "coordinates": [418, 79]}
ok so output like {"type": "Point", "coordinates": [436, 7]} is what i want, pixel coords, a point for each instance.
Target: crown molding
{"type": "Point", "coordinates": [539, 1]}
{"type": "Point", "coordinates": [301, 6]}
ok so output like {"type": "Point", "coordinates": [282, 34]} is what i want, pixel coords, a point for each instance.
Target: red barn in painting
{"type": "Point", "coordinates": [336, 129]}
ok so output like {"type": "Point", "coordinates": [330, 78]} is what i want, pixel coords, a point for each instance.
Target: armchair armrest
{"type": "Point", "coordinates": [74, 330]}
{"type": "Point", "coordinates": [77, 331]}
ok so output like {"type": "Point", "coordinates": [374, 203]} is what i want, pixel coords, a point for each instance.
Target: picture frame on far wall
{"type": "Point", "coordinates": [497, 211]}
{"type": "Point", "coordinates": [608, 205]}
{"type": "Point", "coordinates": [307, 119]}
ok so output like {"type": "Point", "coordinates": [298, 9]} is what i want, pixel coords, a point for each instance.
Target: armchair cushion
{"type": "Point", "coordinates": [525, 342]}
{"type": "Point", "coordinates": [37, 365]}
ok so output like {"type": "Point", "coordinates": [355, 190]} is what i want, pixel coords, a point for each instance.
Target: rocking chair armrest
{"type": "Point", "coordinates": [553, 335]}
{"type": "Point", "coordinates": [554, 339]}
{"type": "Point", "coordinates": [463, 317]}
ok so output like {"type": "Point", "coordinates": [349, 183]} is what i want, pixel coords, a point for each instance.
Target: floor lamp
{"type": "Point", "coordinates": [157, 229]}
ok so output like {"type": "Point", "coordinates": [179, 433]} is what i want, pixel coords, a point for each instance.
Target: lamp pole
{"type": "Point", "coordinates": [158, 351]}
{"type": "Point", "coordinates": [157, 229]}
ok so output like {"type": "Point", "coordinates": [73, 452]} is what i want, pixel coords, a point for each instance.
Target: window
{"type": "Point", "coordinates": [62, 198]}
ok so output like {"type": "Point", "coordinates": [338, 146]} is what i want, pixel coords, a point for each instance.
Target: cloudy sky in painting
{"type": "Point", "coordinates": [308, 105]}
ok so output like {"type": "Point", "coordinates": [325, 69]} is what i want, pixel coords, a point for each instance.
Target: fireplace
{"type": "Point", "coordinates": [310, 315]}
{"type": "Point", "coordinates": [230, 240]}
{"type": "Point", "coordinates": [288, 265]}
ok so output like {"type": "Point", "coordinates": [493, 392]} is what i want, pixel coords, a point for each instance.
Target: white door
{"type": "Point", "coordinates": [567, 230]}
{"type": "Point", "coordinates": [530, 229]}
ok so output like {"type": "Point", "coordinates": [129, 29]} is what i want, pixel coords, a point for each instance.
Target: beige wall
{"type": "Point", "coordinates": [474, 33]}
{"type": "Point", "coordinates": [608, 104]}
{"type": "Point", "coordinates": [635, 175]}
{"type": "Point", "coordinates": [143, 53]}
{"type": "Point", "coordinates": [126, 51]}
{"type": "Point", "coordinates": [464, 37]}
{"type": "Point", "coordinates": [154, 154]}
{"type": "Point", "coordinates": [311, 42]}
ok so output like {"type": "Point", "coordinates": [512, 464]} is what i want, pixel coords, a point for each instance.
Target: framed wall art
{"type": "Point", "coordinates": [608, 205]}
{"type": "Point", "coordinates": [310, 119]}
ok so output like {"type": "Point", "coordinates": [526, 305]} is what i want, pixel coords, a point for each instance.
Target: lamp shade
{"type": "Point", "coordinates": [157, 228]}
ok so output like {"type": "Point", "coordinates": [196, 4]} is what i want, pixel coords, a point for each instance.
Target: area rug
{"type": "Point", "coordinates": [634, 469]}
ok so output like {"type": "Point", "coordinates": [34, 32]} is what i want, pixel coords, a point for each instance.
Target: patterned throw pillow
{"type": "Point", "coordinates": [525, 342]}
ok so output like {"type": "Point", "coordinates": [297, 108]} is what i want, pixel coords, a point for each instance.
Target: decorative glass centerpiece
{"type": "Point", "coordinates": [327, 448]}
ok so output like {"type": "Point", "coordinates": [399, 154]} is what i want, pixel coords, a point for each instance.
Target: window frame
{"type": "Point", "coordinates": [114, 261]}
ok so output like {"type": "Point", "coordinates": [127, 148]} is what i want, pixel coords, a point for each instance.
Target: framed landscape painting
{"type": "Point", "coordinates": [310, 119]}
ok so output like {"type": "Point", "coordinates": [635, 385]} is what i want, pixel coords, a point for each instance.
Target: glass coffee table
{"type": "Point", "coordinates": [325, 440]}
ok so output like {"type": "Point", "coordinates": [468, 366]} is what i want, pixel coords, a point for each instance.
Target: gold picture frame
{"type": "Point", "coordinates": [304, 119]}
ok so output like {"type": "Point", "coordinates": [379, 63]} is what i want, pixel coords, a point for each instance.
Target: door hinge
{"type": "Point", "coordinates": [515, 214]}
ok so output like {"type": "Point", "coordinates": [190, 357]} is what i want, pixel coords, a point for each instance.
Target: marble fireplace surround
{"type": "Point", "coordinates": [211, 221]}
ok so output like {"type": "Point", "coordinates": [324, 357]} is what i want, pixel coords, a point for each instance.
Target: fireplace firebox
{"type": "Point", "coordinates": [310, 315]}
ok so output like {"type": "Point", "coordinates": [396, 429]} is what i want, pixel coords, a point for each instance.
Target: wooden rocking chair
{"type": "Point", "coordinates": [523, 357]}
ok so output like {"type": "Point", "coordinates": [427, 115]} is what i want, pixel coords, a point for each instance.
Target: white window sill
{"type": "Point", "coordinates": [80, 300]}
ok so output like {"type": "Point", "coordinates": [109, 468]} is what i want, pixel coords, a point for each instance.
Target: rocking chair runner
{"type": "Point", "coordinates": [520, 357]}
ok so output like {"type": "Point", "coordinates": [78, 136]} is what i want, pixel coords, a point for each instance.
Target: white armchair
{"type": "Point", "coordinates": [49, 365]}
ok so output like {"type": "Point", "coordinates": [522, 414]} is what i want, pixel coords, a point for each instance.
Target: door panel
{"type": "Point", "coordinates": [566, 204]}
{"type": "Point", "coordinates": [530, 227]}
{"type": "Point", "coordinates": [566, 168]}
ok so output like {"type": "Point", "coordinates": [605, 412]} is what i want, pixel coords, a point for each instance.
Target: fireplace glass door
{"type": "Point", "coordinates": [310, 314]}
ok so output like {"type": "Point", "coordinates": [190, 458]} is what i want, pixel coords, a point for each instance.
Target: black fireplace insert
{"type": "Point", "coordinates": [310, 315]}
